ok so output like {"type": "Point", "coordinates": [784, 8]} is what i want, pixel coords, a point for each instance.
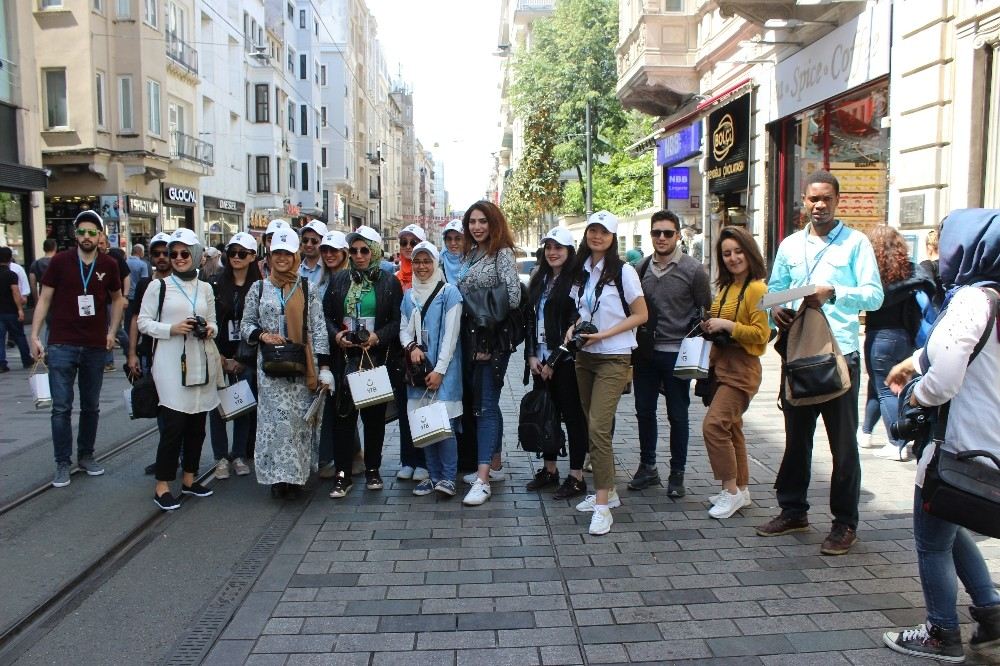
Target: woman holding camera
{"type": "Point", "coordinates": [739, 331]}
{"type": "Point", "coordinates": [610, 306]}
{"type": "Point", "coordinates": [362, 317]}
{"type": "Point", "coordinates": [554, 311]}
{"type": "Point", "coordinates": [488, 265]}
{"type": "Point", "coordinates": [186, 365]}
{"type": "Point", "coordinates": [283, 310]}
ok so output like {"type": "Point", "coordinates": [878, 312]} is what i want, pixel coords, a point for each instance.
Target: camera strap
{"type": "Point", "coordinates": [739, 299]}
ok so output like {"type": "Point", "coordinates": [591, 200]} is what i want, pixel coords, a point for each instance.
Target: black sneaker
{"type": "Point", "coordinates": [928, 641]}
{"type": "Point", "coordinates": [373, 480]}
{"type": "Point", "coordinates": [543, 479]}
{"type": "Point", "coordinates": [150, 469]}
{"type": "Point", "coordinates": [675, 485]}
{"type": "Point", "coordinates": [571, 487]}
{"type": "Point", "coordinates": [196, 489]}
{"type": "Point", "coordinates": [166, 501]}
{"type": "Point", "coordinates": [987, 633]}
{"type": "Point", "coordinates": [342, 485]}
{"type": "Point", "coordinates": [3, 369]}
{"type": "Point", "coordinates": [645, 476]}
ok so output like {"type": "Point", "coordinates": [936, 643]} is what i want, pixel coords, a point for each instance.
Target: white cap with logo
{"type": "Point", "coordinates": [366, 233]}
{"type": "Point", "coordinates": [560, 235]}
{"type": "Point", "coordinates": [185, 236]}
{"type": "Point", "coordinates": [244, 240]}
{"type": "Point", "coordinates": [276, 225]}
{"type": "Point", "coordinates": [428, 247]}
{"type": "Point", "coordinates": [454, 225]}
{"type": "Point", "coordinates": [335, 239]}
{"type": "Point", "coordinates": [285, 239]}
{"type": "Point", "coordinates": [316, 227]}
{"type": "Point", "coordinates": [414, 229]}
{"type": "Point", "coordinates": [605, 219]}
{"type": "Point", "coordinates": [159, 238]}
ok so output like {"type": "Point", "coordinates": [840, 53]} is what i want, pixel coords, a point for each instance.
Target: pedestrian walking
{"type": "Point", "coordinates": [739, 332]}
{"type": "Point", "coordinates": [11, 312]}
{"type": "Point", "coordinates": [83, 290]}
{"type": "Point", "coordinates": [677, 291]}
{"type": "Point", "coordinates": [932, 266]}
{"type": "Point", "coordinates": [553, 312]}
{"type": "Point", "coordinates": [38, 267]}
{"type": "Point", "coordinates": [429, 333]}
{"type": "Point", "coordinates": [451, 257]}
{"type": "Point", "coordinates": [186, 365]}
{"type": "Point", "coordinates": [610, 306]}
{"type": "Point", "coordinates": [839, 262]}
{"type": "Point", "coordinates": [312, 267]}
{"type": "Point", "coordinates": [137, 269]}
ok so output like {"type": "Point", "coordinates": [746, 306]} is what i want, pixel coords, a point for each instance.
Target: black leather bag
{"type": "Point", "coordinates": [143, 395]}
{"type": "Point", "coordinates": [287, 360]}
{"type": "Point", "coordinates": [487, 307]}
{"type": "Point", "coordinates": [813, 376]}
{"type": "Point", "coordinates": [538, 429]}
{"type": "Point", "coordinates": [705, 387]}
{"type": "Point", "coordinates": [963, 491]}
{"type": "Point", "coordinates": [246, 353]}
{"type": "Point", "coordinates": [415, 374]}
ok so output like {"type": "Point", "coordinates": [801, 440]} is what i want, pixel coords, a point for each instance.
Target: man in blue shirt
{"type": "Point", "coordinates": [311, 267]}
{"type": "Point", "coordinates": [840, 262]}
{"type": "Point", "coordinates": [137, 268]}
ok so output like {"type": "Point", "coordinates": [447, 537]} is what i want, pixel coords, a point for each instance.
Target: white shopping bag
{"type": "Point", "coordinates": [236, 400]}
{"type": "Point", "coordinates": [430, 424]}
{"type": "Point", "coordinates": [38, 380]}
{"type": "Point", "coordinates": [370, 387]}
{"type": "Point", "coordinates": [692, 360]}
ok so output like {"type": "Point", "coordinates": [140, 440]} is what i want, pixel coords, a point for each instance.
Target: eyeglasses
{"type": "Point", "coordinates": [242, 254]}
{"type": "Point", "coordinates": [87, 232]}
{"type": "Point", "coordinates": [309, 240]}
{"type": "Point", "coordinates": [423, 262]}
{"type": "Point", "coordinates": [665, 233]}
{"type": "Point", "coordinates": [159, 253]}
{"type": "Point", "coordinates": [180, 254]}
{"type": "Point", "coordinates": [327, 248]}
{"type": "Point", "coordinates": [360, 250]}
{"type": "Point", "coordinates": [408, 243]}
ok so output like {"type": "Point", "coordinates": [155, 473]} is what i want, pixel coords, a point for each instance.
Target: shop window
{"type": "Point", "coordinates": [263, 173]}
{"type": "Point", "coordinates": [56, 110]}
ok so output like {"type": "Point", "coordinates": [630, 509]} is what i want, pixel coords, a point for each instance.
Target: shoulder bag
{"type": "Point", "coordinates": [487, 307]}
{"type": "Point", "coordinates": [246, 353]}
{"type": "Point", "coordinates": [814, 369]}
{"type": "Point", "coordinates": [416, 373]}
{"type": "Point", "coordinates": [287, 359]}
{"type": "Point", "coordinates": [143, 396]}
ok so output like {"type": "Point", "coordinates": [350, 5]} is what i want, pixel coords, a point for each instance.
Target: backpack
{"type": "Point", "coordinates": [538, 429]}
{"type": "Point", "coordinates": [927, 315]}
{"type": "Point", "coordinates": [813, 369]}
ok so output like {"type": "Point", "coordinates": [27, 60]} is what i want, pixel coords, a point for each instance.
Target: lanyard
{"type": "Point", "coordinates": [90, 274]}
{"type": "Point", "coordinates": [194, 301]}
{"type": "Point", "coordinates": [284, 299]}
{"type": "Point", "coordinates": [805, 252]}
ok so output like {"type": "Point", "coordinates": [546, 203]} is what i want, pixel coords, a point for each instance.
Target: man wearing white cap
{"type": "Point", "coordinates": [451, 258]}
{"type": "Point", "coordinates": [311, 267]}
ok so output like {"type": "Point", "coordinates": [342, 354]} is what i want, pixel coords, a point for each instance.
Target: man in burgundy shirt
{"type": "Point", "coordinates": [77, 288]}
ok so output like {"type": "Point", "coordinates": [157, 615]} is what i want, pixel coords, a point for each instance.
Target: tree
{"type": "Point", "coordinates": [534, 188]}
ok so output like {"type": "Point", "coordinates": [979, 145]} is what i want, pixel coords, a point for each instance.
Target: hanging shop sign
{"type": "Point", "coordinates": [175, 195]}
{"type": "Point", "coordinates": [678, 183]}
{"type": "Point", "coordinates": [728, 147]}
{"type": "Point", "coordinates": [141, 207]}
{"type": "Point", "coordinates": [679, 146]}
{"type": "Point", "coordinates": [224, 205]}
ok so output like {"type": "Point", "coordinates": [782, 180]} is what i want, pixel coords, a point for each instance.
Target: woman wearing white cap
{"type": "Point", "coordinates": [554, 312]}
{"type": "Point", "coordinates": [272, 227]}
{"type": "Point", "coordinates": [283, 308]}
{"type": "Point", "coordinates": [186, 365]}
{"type": "Point", "coordinates": [451, 257]}
{"type": "Point", "coordinates": [429, 329]}
{"type": "Point", "coordinates": [333, 254]}
{"type": "Point", "coordinates": [610, 305]}
{"type": "Point", "coordinates": [231, 286]}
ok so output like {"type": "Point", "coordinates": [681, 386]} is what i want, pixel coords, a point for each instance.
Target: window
{"type": "Point", "coordinates": [322, 75]}
{"type": "Point", "coordinates": [673, 5]}
{"type": "Point", "coordinates": [277, 174]}
{"type": "Point", "coordinates": [151, 12]}
{"type": "Point", "coordinates": [304, 120]}
{"type": "Point", "coordinates": [322, 115]}
{"type": "Point", "coordinates": [316, 28]}
{"type": "Point", "coordinates": [322, 157]}
{"type": "Point", "coordinates": [263, 173]}
{"type": "Point", "coordinates": [303, 71]}
{"type": "Point", "coordinates": [56, 111]}
{"type": "Point", "coordinates": [249, 173]}
{"type": "Point", "coordinates": [102, 100]}
{"type": "Point", "coordinates": [125, 104]}
{"type": "Point", "coordinates": [291, 12]}
{"type": "Point", "coordinates": [98, 5]}
{"type": "Point", "coordinates": [305, 175]}
{"type": "Point", "coordinates": [262, 103]}
{"type": "Point", "coordinates": [291, 60]}
{"type": "Point", "coordinates": [302, 19]}
{"type": "Point", "coordinates": [292, 175]}
{"type": "Point", "coordinates": [316, 72]}
{"type": "Point", "coordinates": [316, 125]}
{"type": "Point", "coordinates": [50, 4]}
{"type": "Point", "coordinates": [123, 8]}
{"type": "Point", "coordinates": [153, 100]}
{"type": "Point", "coordinates": [291, 116]}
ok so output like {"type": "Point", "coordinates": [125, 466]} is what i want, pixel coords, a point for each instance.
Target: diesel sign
{"type": "Point", "coordinates": [180, 195]}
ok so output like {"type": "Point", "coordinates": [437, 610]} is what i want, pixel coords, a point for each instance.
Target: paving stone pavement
{"type": "Point", "coordinates": [389, 578]}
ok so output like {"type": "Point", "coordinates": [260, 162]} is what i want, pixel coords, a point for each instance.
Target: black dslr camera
{"type": "Point", "coordinates": [360, 334]}
{"type": "Point", "coordinates": [573, 346]}
{"type": "Point", "coordinates": [199, 327]}
{"type": "Point", "coordinates": [913, 424]}
{"type": "Point", "coordinates": [719, 338]}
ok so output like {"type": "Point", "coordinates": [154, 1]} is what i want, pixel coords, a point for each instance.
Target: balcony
{"type": "Point", "coordinates": [527, 11]}
{"type": "Point", "coordinates": [183, 146]}
{"type": "Point", "coordinates": [759, 11]}
{"type": "Point", "coordinates": [657, 63]}
{"type": "Point", "coordinates": [182, 53]}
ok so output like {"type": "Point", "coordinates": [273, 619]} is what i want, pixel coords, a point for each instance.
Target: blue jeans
{"type": "Point", "coordinates": [64, 362]}
{"type": "Point", "coordinates": [409, 455]}
{"type": "Point", "coordinates": [242, 426]}
{"type": "Point", "coordinates": [648, 377]}
{"type": "Point", "coordinates": [883, 349]}
{"type": "Point", "coordinates": [442, 457]}
{"type": "Point", "coordinates": [946, 553]}
{"type": "Point", "coordinates": [489, 420]}
{"type": "Point", "coordinates": [9, 325]}
{"type": "Point", "coordinates": [872, 409]}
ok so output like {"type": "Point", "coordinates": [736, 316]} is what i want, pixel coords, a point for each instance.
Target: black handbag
{"type": "Point", "coordinates": [144, 397]}
{"type": "Point", "coordinates": [487, 307]}
{"type": "Point", "coordinates": [538, 429]}
{"type": "Point", "coordinates": [705, 387]}
{"type": "Point", "coordinates": [415, 374]}
{"type": "Point", "coordinates": [287, 359]}
{"type": "Point", "coordinates": [246, 353]}
{"type": "Point", "coordinates": [961, 490]}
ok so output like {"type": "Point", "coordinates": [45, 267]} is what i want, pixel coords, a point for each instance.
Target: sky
{"type": "Point", "coordinates": [445, 50]}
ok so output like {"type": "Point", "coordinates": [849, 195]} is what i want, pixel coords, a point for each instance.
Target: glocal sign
{"type": "Point", "coordinates": [175, 194]}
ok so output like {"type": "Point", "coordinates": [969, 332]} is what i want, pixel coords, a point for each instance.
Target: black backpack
{"type": "Point", "coordinates": [538, 429]}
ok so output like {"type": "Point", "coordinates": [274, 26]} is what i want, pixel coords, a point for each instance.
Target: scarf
{"type": "Point", "coordinates": [970, 249]}
{"type": "Point", "coordinates": [405, 272]}
{"type": "Point", "coordinates": [422, 290]}
{"type": "Point", "coordinates": [451, 264]}
{"type": "Point", "coordinates": [363, 281]}
{"type": "Point", "coordinates": [295, 312]}
{"type": "Point", "coordinates": [196, 252]}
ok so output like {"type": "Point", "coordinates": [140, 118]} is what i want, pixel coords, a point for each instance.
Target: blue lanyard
{"type": "Point", "coordinates": [284, 299]}
{"type": "Point", "coordinates": [194, 301]}
{"type": "Point", "coordinates": [819, 255]}
{"type": "Point", "coordinates": [86, 280]}
{"type": "Point", "coordinates": [589, 296]}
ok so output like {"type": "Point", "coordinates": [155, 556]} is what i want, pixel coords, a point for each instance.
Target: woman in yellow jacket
{"type": "Point", "coordinates": [739, 330]}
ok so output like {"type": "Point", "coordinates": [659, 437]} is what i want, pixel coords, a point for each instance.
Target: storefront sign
{"type": "Point", "coordinates": [728, 147]}
{"type": "Point", "coordinates": [179, 196]}
{"type": "Point", "coordinates": [679, 146]}
{"type": "Point", "coordinates": [143, 207]}
{"type": "Point", "coordinates": [853, 54]}
{"type": "Point", "coordinates": [225, 205]}
{"type": "Point", "coordinates": [678, 183]}
{"type": "Point", "coordinates": [911, 211]}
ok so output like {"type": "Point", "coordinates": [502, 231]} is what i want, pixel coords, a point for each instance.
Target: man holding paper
{"type": "Point", "coordinates": [838, 265]}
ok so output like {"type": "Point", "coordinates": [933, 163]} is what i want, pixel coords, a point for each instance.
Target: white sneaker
{"type": "Point", "coordinates": [892, 452]}
{"type": "Point", "coordinates": [405, 473]}
{"type": "Point", "coordinates": [715, 499]}
{"type": "Point", "coordinates": [588, 503]}
{"type": "Point", "coordinates": [421, 474]}
{"type": "Point", "coordinates": [600, 522]}
{"type": "Point", "coordinates": [478, 495]}
{"type": "Point", "coordinates": [241, 467]}
{"type": "Point", "coordinates": [494, 476]}
{"type": "Point", "coordinates": [727, 506]}
{"type": "Point", "coordinates": [865, 438]}
{"type": "Point", "coordinates": [222, 469]}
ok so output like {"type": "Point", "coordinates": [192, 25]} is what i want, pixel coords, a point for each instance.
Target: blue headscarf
{"type": "Point", "coordinates": [451, 263]}
{"type": "Point", "coordinates": [970, 249]}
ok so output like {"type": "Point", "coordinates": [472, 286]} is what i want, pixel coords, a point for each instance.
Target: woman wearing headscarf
{"type": "Point", "coordinates": [451, 256]}
{"type": "Point", "coordinates": [186, 365]}
{"type": "Point", "coordinates": [946, 552]}
{"type": "Point", "coordinates": [279, 309]}
{"type": "Point", "coordinates": [363, 298]}
{"type": "Point", "coordinates": [434, 337]}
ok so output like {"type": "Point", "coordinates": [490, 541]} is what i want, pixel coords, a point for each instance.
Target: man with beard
{"type": "Point", "coordinates": [78, 286]}
{"type": "Point", "coordinates": [311, 267]}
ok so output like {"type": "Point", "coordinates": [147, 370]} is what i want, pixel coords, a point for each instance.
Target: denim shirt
{"type": "Point", "coordinates": [844, 260]}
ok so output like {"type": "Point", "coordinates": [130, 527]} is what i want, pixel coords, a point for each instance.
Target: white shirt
{"type": "Point", "coordinates": [607, 311]}
{"type": "Point", "coordinates": [22, 279]}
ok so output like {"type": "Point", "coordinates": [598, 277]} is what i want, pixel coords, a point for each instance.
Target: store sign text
{"type": "Point", "coordinates": [180, 194]}
{"type": "Point", "coordinates": [143, 207]}
{"type": "Point", "coordinates": [728, 165]}
{"type": "Point", "coordinates": [679, 146]}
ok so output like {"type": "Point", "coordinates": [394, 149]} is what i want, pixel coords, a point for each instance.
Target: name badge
{"type": "Point", "coordinates": [234, 332]}
{"type": "Point", "coordinates": [85, 304]}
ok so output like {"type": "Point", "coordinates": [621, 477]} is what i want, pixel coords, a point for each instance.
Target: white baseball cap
{"type": "Point", "coordinates": [185, 236]}
{"type": "Point", "coordinates": [365, 232]}
{"type": "Point", "coordinates": [159, 238]}
{"type": "Point", "coordinates": [428, 247]}
{"type": "Point", "coordinates": [276, 225]}
{"type": "Point", "coordinates": [335, 239]}
{"type": "Point", "coordinates": [317, 227]}
{"type": "Point", "coordinates": [244, 240]}
{"type": "Point", "coordinates": [285, 239]}
{"type": "Point", "coordinates": [560, 235]}
{"type": "Point", "coordinates": [414, 229]}
{"type": "Point", "coordinates": [454, 225]}
{"type": "Point", "coordinates": [605, 219]}
{"type": "Point", "coordinates": [89, 216]}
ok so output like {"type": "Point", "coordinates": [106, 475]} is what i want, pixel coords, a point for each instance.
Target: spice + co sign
{"type": "Point", "coordinates": [729, 140]}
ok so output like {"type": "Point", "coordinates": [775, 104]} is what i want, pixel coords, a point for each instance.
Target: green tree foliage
{"type": "Point", "coordinates": [534, 188]}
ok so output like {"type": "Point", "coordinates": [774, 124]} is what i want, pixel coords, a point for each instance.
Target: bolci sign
{"type": "Point", "coordinates": [728, 163]}
{"type": "Point", "coordinates": [853, 54]}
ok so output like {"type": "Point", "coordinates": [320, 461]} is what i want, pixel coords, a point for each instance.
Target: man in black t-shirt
{"type": "Point", "coordinates": [11, 312]}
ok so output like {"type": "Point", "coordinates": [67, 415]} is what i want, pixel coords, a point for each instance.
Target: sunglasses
{"type": "Point", "coordinates": [408, 243]}
{"type": "Point", "coordinates": [87, 232]}
{"type": "Point", "coordinates": [242, 254]}
{"type": "Point", "coordinates": [664, 233]}
{"type": "Point", "coordinates": [309, 240]}
{"type": "Point", "coordinates": [360, 250]}
{"type": "Point", "coordinates": [327, 248]}
{"type": "Point", "coordinates": [159, 253]}
{"type": "Point", "coordinates": [180, 254]}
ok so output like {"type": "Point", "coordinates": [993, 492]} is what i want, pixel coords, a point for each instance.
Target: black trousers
{"type": "Point", "coordinates": [566, 395]}
{"type": "Point", "coordinates": [179, 432]}
{"type": "Point", "coordinates": [345, 429]}
{"type": "Point", "coordinates": [840, 416]}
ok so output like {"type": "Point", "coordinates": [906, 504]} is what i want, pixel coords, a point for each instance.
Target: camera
{"type": "Point", "coordinates": [573, 346]}
{"type": "Point", "coordinates": [359, 335]}
{"type": "Point", "coordinates": [199, 327]}
{"type": "Point", "coordinates": [913, 424]}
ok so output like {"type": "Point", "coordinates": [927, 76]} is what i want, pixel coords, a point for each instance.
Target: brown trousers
{"type": "Point", "coordinates": [601, 379]}
{"type": "Point", "coordinates": [738, 377]}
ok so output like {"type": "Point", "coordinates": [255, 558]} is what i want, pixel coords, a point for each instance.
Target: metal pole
{"type": "Point", "coordinates": [590, 179]}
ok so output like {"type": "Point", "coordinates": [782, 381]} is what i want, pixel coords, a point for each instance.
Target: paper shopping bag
{"type": "Point", "coordinates": [38, 380]}
{"type": "Point", "coordinates": [370, 387]}
{"type": "Point", "coordinates": [430, 424]}
{"type": "Point", "coordinates": [692, 360]}
{"type": "Point", "coordinates": [236, 400]}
